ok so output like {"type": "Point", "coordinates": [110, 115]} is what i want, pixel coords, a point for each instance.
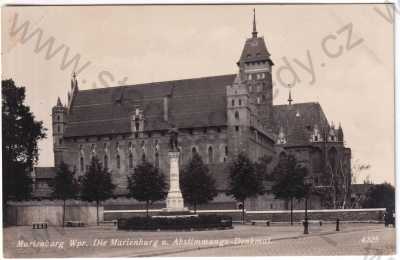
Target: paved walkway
{"type": "Point", "coordinates": [106, 241]}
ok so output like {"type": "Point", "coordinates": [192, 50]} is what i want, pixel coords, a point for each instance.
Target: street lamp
{"type": "Point", "coordinates": [307, 186]}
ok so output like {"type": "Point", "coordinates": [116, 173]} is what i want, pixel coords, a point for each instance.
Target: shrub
{"type": "Point", "coordinates": [175, 223]}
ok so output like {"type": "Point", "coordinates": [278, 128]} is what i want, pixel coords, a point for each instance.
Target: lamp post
{"type": "Point", "coordinates": [307, 187]}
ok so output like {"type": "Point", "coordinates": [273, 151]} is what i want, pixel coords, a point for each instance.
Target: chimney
{"type": "Point", "coordinates": [166, 101]}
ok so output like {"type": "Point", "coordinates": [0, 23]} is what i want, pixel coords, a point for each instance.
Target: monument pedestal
{"type": "Point", "coordinates": [174, 199]}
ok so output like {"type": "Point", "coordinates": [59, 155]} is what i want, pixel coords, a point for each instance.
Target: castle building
{"type": "Point", "coordinates": [217, 117]}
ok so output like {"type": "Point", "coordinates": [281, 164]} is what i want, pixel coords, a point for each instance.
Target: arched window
{"type": "Point", "coordinates": [58, 129]}
{"type": "Point", "coordinates": [236, 115]}
{"type": "Point", "coordinates": [118, 159]}
{"type": "Point", "coordinates": [82, 164]}
{"type": "Point", "coordinates": [226, 150]}
{"type": "Point", "coordinates": [210, 155]}
{"type": "Point", "coordinates": [130, 163]}
{"type": "Point", "coordinates": [240, 102]}
{"type": "Point", "coordinates": [156, 161]}
{"type": "Point", "coordinates": [233, 102]}
{"type": "Point", "coordinates": [194, 151]}
{"type": "Point", "coordinates": [105, 161]}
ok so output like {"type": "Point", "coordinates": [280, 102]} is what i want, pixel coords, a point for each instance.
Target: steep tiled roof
{"type": "Point", "coordinates": [298, 121]}
{"type": "Point", "coordinates": [254, 50]}
{"type": "Point", "coordinates": [45, 172]}
{"type": "Point", "coordinates": [194, 103]}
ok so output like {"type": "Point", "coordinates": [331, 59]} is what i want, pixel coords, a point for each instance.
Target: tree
{"type": "Point", "coordinates": [380, 196]}
{"type": "Point", "coordinates": [65, 186]}
{"type": "Point", "coordinates": [147, 183]}
{"type": "Point", "coordinates": [244, 181]}
{"type": "Point", "coordinates": [197, 184]}
{"type": "Point", "coordinates": [357, 168]}
{"type": "Point", "coordinates": [21, 133]}
{"type": "Point", "coordinates": [262, 167]}
{"type": "Point", "coordinates": [289, 181]}
{"type": "Point", "coordinates": [96, 184]}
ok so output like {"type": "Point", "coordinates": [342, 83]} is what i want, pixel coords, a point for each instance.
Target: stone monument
{"type": "Point", "coordinates": [174, 197]}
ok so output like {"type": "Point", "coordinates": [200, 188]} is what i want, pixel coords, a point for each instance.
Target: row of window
{"type": "Point", "coordinates": [256, 76]}
{"type": "Point", "coordinates": [210, 153]}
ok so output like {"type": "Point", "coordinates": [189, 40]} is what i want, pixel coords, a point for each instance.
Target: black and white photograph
{"type": "Point", "coordinates": [150, 130]}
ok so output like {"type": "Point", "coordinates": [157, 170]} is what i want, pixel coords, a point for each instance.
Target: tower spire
{"type": "Point", "coordinates": [290, 100]}
{"type": "Point", "coordinates": [254, 33]}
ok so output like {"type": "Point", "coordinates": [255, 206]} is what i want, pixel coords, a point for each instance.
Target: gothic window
{"type": "Point", "coordinates": [226, 150]}
{"type": "Point", "coordinates": [210, 154]}
{"type": "Point", "coordinates": [118, 159]}
{"type": "Point", "coordinates": [130, 161]}
{"type": "Point", "coordinates": [237, 128]}
{"type": "Point", "coordinates": [332, 156]}
{"type": "Point", "coordinates": [58, 129]}
{"type": "Point", "coordinates": [263, 98]}
{"type": "Point", "coordinates": [236, 115]}
{"type": "Point", "coordinates": [58, 118]}
{"type": "Point", "coordinates": [316, 159]}
{"type": "Point", "coordinates": [258, 100]}
{"type": "Point", "coordinates": [249, 76]}
{"type": "Point", "coordinates": [233, 102]}
{"type": "Point", "coordinates": [194, 151]}
{"type": "Point", "coordinates": [240, 102]}
{"type": "Point", "coordinates": [282, 156]}
{"type": "Point", "coordinates": [82, 164]}
{"type": "Point", "coordinates": [105, 161]}
{"type": "Point", "coordinates": [137, 124]}
{"type": "Point", "coordinates": [143, 157]}
{"type": "Point", "coordinates": [157, 160]}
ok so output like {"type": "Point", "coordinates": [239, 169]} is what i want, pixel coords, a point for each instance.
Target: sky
{"type": "Point", "coordinates": [338, 55]}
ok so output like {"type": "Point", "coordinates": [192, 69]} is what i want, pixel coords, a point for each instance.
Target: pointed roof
{"type": "Point", "coordinates": [290, 100]}
{"type": "Point", "coordinates": [59, 104]}
{"type": "Point", "coordinates": [254, 33]}
{"type": "Point", "coordinates": [254, 48]}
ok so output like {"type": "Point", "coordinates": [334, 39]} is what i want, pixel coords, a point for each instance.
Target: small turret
{"type": "Point", "coordinates": [59, 121]}
{"type": "Point", "coordinates": [340, 133]}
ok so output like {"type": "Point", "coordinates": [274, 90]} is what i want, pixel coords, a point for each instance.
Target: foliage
{"type": "Point", "coordinates": [380, 196]}
{"type": "Point", "coordinates": [147, 183]}
{"type": "Point", "coordinates": [64, 185]}
{"type": "Point", "coordinates": [289, 181]}
{"type": "Point", "coordinates": [21, 133]}
{"type": "Point", "coordinates": [96, 184]}
{"type": "Point", "coordinates": [244, 181]}
{"type": "Point", "coordinates": [197, 185]}
{"type": "Point", "coordinates": [289, 177]}
{"type": "Point", "coordinates": [262, 167]}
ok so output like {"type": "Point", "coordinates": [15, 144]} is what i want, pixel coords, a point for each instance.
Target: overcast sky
{"type": "Point", "coordinates": [340, 55]}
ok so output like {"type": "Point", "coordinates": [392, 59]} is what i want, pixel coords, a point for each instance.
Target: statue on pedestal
{"type": "Point", "coordinates": [173, 138]}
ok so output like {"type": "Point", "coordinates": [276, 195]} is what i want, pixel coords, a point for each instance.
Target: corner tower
{"type": "Point", "coordinates": [59, 121]}
{"type": "Point", "coordinates": [255, 66]}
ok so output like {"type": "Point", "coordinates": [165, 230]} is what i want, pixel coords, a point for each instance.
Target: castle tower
{"type": "Point", "coordinates": [238, 116]}
{"type": "Point", "coordinates": [59, 120]}
{"type": "Point", "coordinates": [255, 71]}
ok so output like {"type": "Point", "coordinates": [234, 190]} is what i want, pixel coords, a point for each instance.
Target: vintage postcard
{"type": "Point", "coordinates": [198, 130]}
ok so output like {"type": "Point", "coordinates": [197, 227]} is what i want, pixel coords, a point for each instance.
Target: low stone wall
{"type": "Point", "coordinates": [274, 216]}
{"type": "Point", "coordinates": [323, 214]}
{"type": "Point", "coordinates": [24, 213]}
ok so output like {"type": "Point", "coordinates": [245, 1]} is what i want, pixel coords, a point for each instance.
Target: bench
{"type": "Point", "coordinates": [71, 223]}
{"type": "Point", "coordinates": [39, 225]}
{"type": "Point", "coordinates": [318, 222]}
{"type": "Point", "coordinates": [267, 222]}
{"type": "Point", "coordinates": [114, 222]}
